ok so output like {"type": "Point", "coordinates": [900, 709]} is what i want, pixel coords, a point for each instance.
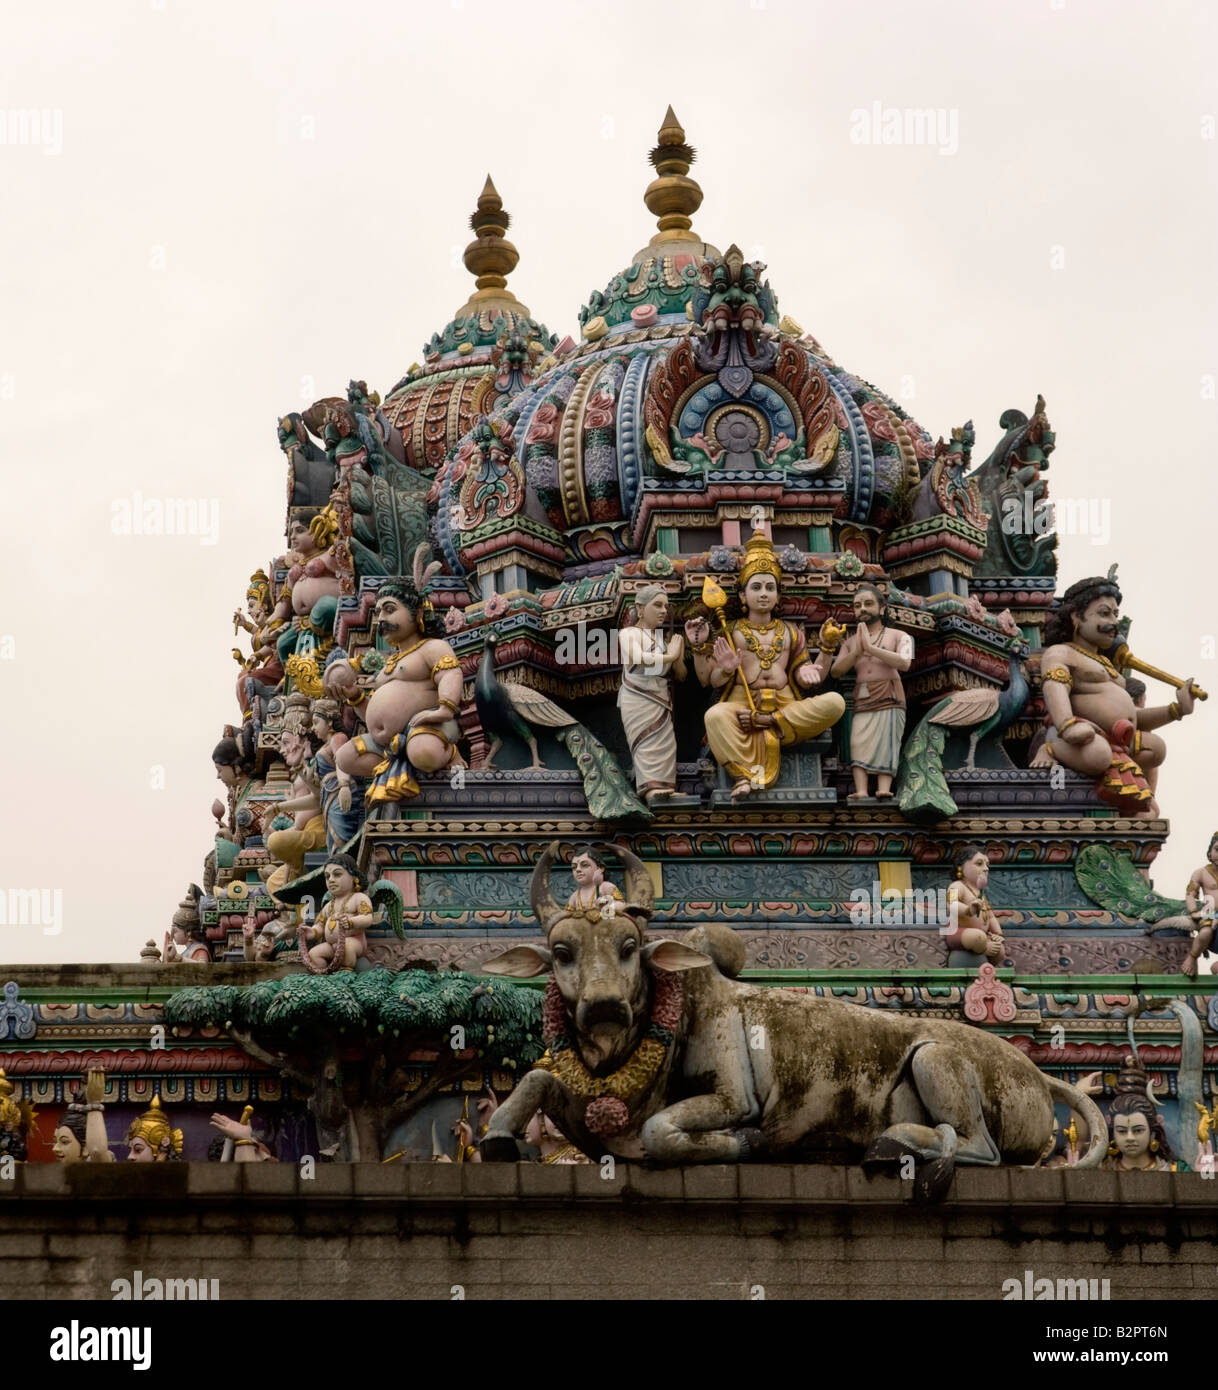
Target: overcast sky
{"type": "Point", "coordinates": [227, 210]}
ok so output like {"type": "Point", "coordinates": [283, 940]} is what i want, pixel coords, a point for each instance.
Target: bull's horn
{"type": "Point", "coordinates": [545, 907]}
{"type": "Point", "coordinates": [640, 891]}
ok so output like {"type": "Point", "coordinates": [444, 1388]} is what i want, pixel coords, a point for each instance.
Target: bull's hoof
{"type": "Point", "coordinates": [885, 1153]}
{"type": "Point", "coordinates": [499, 1148]}
{"type": "Point", "coordinates": [934, 1179]}
{"type": "Point", "coordinates": [753, 1144]}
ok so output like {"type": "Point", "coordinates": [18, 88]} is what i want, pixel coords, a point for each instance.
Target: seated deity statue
{"type": "Point", "coordinates": [594, 894]}
{"type": "Point", "coordinates": [411, 714]}
{"type": "Point", "coordinates": [262, 670]}
{"type": "Point", "coordinates": [760, 667]}
{"type": "Point", "coordinates": [1097, 729]}
{"type": "Point", "coordinates": [340, 931]}
{"type": "Point", "coordinates": [973, 922]}
{"type": "Point", "coordinates": [287, 848]}
{"type": "Point", "coordinates": [1201, 904]}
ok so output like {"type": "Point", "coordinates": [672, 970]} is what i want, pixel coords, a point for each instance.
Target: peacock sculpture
{"type": "Point", "coordinates": [508, 710]}
{"type": "Point", "coordinates": [922, 791]}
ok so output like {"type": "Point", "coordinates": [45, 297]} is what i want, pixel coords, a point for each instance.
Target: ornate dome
{"type": "Point", "coordinates": [480, 359]}
{"type": "Point", "coordinates": [688, 404]}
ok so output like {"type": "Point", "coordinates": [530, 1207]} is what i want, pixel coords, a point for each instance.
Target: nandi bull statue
{"type": "Point", "coordinates": [633, 1027]}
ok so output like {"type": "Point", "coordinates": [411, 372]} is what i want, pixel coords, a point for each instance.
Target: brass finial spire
{"type": "Point", "coordinates": [672, 196]}
{"type": "Point", "coordinates": [490, 257]}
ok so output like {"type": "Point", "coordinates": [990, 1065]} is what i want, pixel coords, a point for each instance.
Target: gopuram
{"type": "Point", "coordinates": [655, 743]}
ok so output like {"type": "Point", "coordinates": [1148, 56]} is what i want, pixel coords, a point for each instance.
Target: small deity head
{"type": "Point", "coordinates": [230, 762]}
{"type": "Point", "coordinates": [651, 605]}
{"type": "Point", "coordinates": [1137, 1130]}
{"type": "Point", "coordinates": [68, 1141]}
{"type": "Point", "coordinates": [588, 867]}
{"type": "Point", "coordinates": [342, 875]}
{"type": "Point", "coordinates": [398, 612]}
{"type": "Point", "coordinates": [151, 1139]}
{"type": "Point", "coordinates": [1089, 611]}
{"type": "Point", "coordinates": [325, 717]}
{"type": "Point", "coordinates": [869, 605]}
{"type": "Point", "coordinates": [973, 867]}
{"type": "Point", "coordinates": [258, 596]}
{"type": "Point", "coordinates": [760, 575]}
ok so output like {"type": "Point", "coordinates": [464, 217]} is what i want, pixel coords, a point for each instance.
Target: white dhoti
{"type": "Point", "coordinates": [875, 739]}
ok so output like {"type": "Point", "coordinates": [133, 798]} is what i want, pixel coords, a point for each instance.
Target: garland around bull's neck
{"type": "Point", "coordinates": [611, 1099]}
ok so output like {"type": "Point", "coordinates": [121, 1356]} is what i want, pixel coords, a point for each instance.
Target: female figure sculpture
{"type": "Point", "coordinates": [644, 700]}
{"type": "Point", "coordinates": [80, 1137]}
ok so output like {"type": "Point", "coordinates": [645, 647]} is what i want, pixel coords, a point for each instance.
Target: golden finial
{"type": "Point", "coordinates": [490, 257]}
{"type": "Point", "coordinates": [673, 196]}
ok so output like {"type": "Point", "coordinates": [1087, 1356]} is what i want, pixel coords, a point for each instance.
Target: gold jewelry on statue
{"type": "Point", "coordinates": [451, 704]}
{"type": "Point", "coordinates": [1059, 673]}
{"type": "Point", "coordinates": [765, 655]}
{"type": "Point", "coordinates": [1175, 711]}
{"type": "Point", "coordinates": [243, 1143]}
{"type": "Point", "coordinates": [701, 648]}
{"type": "Point", "coordinates": [1065, 724]}
{"type": "Point", "coordinates": [392, 661]}
{"type": "Point", "coordinates": [1113, 673]}
{"type": "Point", "coordinates": [448, 662]}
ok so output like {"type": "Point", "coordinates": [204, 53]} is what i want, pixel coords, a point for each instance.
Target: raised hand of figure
{"type": "Point", "coordinates": [230, 1128]}
{"type": "Point", "coordinates": [865, 639]}
{"type": "Point", "coordinates": [809, 674]}
{"type": "Point", "coordinates": [247, 927]}
{"type": "Point", "coordinates": [727, 658]}
{"type": "Point", "coordinates": [1185, 697]}
{"type": "Point", "coordinates": [697, 630]}
{"type": "Point", "coordinates": [95, 1086]}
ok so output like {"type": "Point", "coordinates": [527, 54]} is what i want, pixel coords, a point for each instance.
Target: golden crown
{"type": "Point", "coordinates": [759, 558]}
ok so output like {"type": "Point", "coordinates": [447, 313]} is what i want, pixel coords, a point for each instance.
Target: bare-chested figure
{"type": "Point", "coordinates": [412, 711]}
{"type": "Point", "coordinates": [1201, 904]}
{"type": "Point", "coordinates": [1093, 713]}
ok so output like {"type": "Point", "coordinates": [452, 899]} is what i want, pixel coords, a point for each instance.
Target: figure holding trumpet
{"type": "Point", "coordinates": [1097, 729]}
{"type": "Point", "coordinates": [760, 666]}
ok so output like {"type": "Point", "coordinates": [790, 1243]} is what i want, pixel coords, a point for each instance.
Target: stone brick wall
{"type": "Point", "coordinates": [528, 1231]}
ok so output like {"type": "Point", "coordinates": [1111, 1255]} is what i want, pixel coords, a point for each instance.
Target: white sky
{"type": "Point", "coordinates": [245, 205]}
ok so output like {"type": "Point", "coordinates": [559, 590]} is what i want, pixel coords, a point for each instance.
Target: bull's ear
{"type": "Point", "coordinates": [671, 955]}
{"type": "Point", "coordinates": [521, 961]}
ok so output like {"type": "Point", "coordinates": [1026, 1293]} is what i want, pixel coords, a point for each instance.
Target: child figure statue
{"type": "Point", "coordinates": [342, 924]}
{"type": "Point", "coordinates": [974, 923]}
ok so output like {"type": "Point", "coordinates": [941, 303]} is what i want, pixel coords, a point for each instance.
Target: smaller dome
{"type": "Point", "coordinates": [665, 273]}
{"type": "Point", "coordinates": [482, 357]}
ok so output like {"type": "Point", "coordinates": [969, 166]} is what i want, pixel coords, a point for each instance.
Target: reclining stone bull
{"type": "Point", "coordinates": [655, 1051]}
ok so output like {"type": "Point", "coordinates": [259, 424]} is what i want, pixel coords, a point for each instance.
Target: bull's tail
{"type": "Point", "coordinates": [1097, 1127]}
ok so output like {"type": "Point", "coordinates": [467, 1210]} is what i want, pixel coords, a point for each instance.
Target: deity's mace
{"type": "Point", "coordinates": [716, 600]}
{"type": "Point", "coordinates": [1124, 657]}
